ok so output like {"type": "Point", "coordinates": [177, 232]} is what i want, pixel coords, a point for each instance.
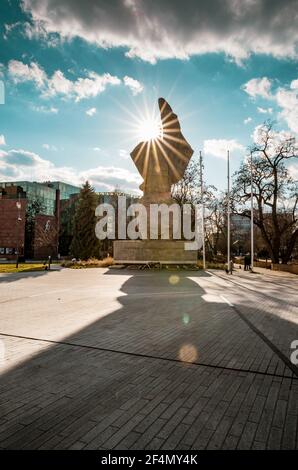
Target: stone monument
{"type": "Point", "coordinates": [161, 162]}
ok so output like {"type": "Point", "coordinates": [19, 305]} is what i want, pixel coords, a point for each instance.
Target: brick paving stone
{"type": "Point", "coordinates": [150, 434]}
{"type": "Point", "coordinates": [247, 436]}
{"type": "Point", "coordinates": [220, 434]}
{"type": "Point", "coordinates": [230, 442]}
{"type": "Point", "coordinates": [257, 445]}
{"type": "Point", "coordinates": [257, 409]}
{"type": "Point", "coordinates": [275, 437]}
{"type": "Point", "coordinates": [129, 440]}
{"type": "Point", "coordinates": [202, 439]}
{"type": "Point", "coordinates": [175, 437]}
{"type": "Point", "coordinates": [290, 432]}
{"type": "Point", "coordinates": [66, 396]}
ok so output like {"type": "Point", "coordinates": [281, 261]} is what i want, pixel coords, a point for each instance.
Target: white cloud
{"type": "Point", "coordinates": [21, 72]}
{"type": "Point", "coordinates": [58, 84]}
{"type": "Point", "coordinates": [2, 140]}
{"type": "Point", "coordinates": [50, 147]}
{"type": "Point", "coordinates": [34, 30]}
{"type": "Point", "coordinates": [37, 31]}
{"type": "Point", "coordinates": [46, 109]}
{"type": "Point", "coordinates": [8, 28]}
{"type": "Point", "coordinates": [285, 97]}
{"type": "Point", "coordinates": [82, 88]}
{"type": "Point", "coordinates": [258, 87]}
{"type": "Point", "coordinates": [264, 110]}
{"type": "Point", "coordinates": [294, 84]}
{"type": "Point", "coordinates": [90, 112]}
{"type": "Point", "coordinates": [124, 154]}
{"type": "Point", "coordinates": [174, 29]}
{"type": "Point", "coordinates": [247, 120]}
{"type": "Point", "coordinates": [112, 177]}
{"type": "Point", "coordinates": [293, 171]}
{"type": "Point", "coordinates": [24, 165]}
{"type": "Point", "coordinates": [96, 149]}
{"type": "Point", "coordinates": [219, 147]}
{"type": "Point", "coordinates": [135, 86]}
{"type": "Point", "coordinates": [18, 159]}
{"type": "Point", "coordinates": [277, 137]}
{"type": "Point", "coordinates": [287, 100]}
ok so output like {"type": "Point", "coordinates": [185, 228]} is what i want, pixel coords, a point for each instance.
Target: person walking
{"type": "Point", "coordinates": [231, 267]}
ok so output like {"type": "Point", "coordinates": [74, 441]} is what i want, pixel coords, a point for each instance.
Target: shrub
{"type": "Point", "coordinates": [89, 263]}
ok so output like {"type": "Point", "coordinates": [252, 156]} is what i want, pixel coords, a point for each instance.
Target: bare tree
{"type": "Point", "coordinates": [275, 192]}
{"type": "Point", "coordinates": [215, 221]}
{"type": "Point", "coordinates": [187, 190]}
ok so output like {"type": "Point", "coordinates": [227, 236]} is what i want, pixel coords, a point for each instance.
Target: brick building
{"type": "Point", "coordinates": [13, 205]}
{"type": "Point", "coordinates": [30, 214]}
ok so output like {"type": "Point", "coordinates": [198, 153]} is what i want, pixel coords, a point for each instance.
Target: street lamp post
{"type": "Point", "coordinates": [19, 206]}
{"type": "Point", "coordinates": [228, 213]}
{"type": "Point", "coordinates": [251, 216]}
{"type": "Point", "coordinates": [203, 210]}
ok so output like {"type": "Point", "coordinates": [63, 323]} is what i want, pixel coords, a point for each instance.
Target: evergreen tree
{"type": "Point", "coordinates": [33, 208]}
{"type": "Point", "coordinates": [85, 244]}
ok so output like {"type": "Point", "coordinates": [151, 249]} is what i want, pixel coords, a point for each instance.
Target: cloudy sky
{"type": "Point", "coordinates": [81, 77]}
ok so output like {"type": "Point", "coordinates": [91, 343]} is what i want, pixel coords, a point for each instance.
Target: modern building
{"type": "Point", "coordinates": [240, 223]}
{"type": "Point", "coordinates": [30, 215]}
{"type": "Point", "coordinates": [240, 231]}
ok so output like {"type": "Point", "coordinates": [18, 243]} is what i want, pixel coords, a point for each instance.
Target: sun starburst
{"type": "Point", "coordinates": [149, 129]}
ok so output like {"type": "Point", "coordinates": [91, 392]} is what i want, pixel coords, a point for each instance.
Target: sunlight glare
{"type": "Point", "coordinates": [149, 129]}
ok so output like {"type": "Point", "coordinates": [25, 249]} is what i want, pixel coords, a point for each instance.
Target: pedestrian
{"type": "Point", "coordinates": [231, 267]}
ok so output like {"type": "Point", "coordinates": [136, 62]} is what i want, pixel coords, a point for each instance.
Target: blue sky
{"type": "Point", "coordinates": [78, 80]}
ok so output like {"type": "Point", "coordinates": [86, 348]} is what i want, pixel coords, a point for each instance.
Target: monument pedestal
{"type": "Point", "coordinates": [153, 251]}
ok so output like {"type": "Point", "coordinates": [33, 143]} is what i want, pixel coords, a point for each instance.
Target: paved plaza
{"type": "Point", "coordinates": [128, 359]}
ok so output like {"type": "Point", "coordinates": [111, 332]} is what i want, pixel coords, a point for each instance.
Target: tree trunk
{"type": "Point", "coordinates": [293, 240]}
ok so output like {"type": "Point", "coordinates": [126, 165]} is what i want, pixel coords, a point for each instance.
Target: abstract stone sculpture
{"type": "Point", "coordinates": [162, 161]}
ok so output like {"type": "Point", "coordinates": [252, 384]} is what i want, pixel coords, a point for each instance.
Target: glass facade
{"type": "Point", "coordinates": [66, 190]}
{"type": "Point", "coordinates": [45, 193]}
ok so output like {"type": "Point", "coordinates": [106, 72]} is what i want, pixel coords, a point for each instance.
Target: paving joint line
{"type": "Point", "coordinates": [258, 332]}
{"type": "Point", "coordinates": [148, 356]}
{"type": "Point", "coordinates": [273, 299]}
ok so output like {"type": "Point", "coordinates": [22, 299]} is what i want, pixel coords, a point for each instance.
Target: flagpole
{"type": "Point", "coordinates": [203, 209]}
{"type": "Point", "coordinates": [228, 213]}
{"type": "Point", "coordinates": [251, 216]}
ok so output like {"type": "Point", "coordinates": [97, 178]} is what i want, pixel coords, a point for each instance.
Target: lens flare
{"type": "Point", "coordinates": [174, 279]}
{"type": "Point", "coordinates": [188, 353]}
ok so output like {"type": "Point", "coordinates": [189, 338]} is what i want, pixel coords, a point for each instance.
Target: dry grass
{"type": "Point", "coordinates": [211, 265]}
{"type": "Point", "coordinates": [23, 267]}
{"type": "Point", "coordinates": [90, 263]}
{"type": "Point", "coordinates": [106, 262]}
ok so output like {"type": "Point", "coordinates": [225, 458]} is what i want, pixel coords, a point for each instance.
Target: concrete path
{"type": "Point", "coordinates": [103, 359]}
